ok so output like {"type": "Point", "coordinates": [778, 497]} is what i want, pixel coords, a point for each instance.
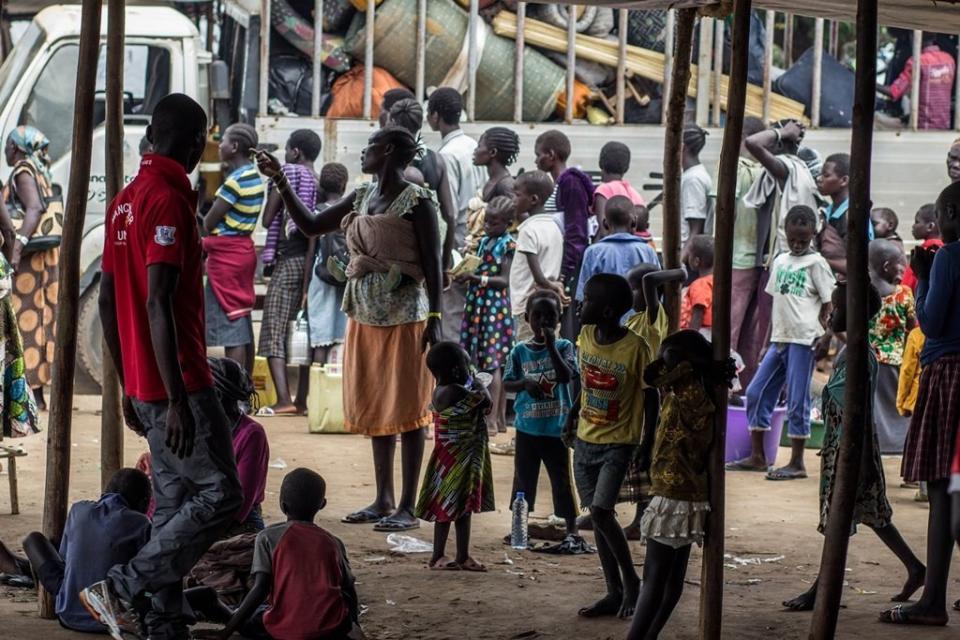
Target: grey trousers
{"type": "Point", "coordinates": [453, 300]}
{"type": "Point", "coordinates": [196, 500]}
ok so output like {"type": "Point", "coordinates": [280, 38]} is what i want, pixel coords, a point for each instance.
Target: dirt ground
{"type": "Point", "coordinates": [771, 538]}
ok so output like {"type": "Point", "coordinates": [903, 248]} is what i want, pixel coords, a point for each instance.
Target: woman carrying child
{"type": "Point", "coordinates": [391, 225]}
{"type": "Point", "coordinates": [496, 150]}
{"type": "Point", "coordinates": [676, 453]}
{"type": "Point", "coordinates": [458, 481]}
{"type": "Point", "coordinates": [872, 507]}
{"type": "Point", "coordinates": [487, 330]}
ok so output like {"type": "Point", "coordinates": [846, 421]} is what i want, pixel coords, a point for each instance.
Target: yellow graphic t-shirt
{"type": "Point", "coordinates": [611, 400]}
{"type": "Point", "coordinates": [654, 333]}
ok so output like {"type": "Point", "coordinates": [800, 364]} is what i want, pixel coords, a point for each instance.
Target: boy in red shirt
{"type": "Point", "coordinates": [151, 266]}
{"type": "Point", "coordinates": [301, 571]}
{"type": "Point", "coordinates": [937, 72]}
{"type": "Point", "coordinates": [696, 308]}
{"type": "Point", "coordinates": [925, 230]}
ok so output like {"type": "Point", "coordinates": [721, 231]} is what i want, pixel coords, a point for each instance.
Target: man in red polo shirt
{"type": "Point", "coordinates": [151, 306]}
{"type": "Point", "coordinates": [937, 73]}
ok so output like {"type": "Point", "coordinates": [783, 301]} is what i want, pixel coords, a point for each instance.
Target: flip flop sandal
{"type": "Point", "coordinates": [740, 466]}
{"type": "Point", "coordinates": [782, 476]}
{"type": "Point", "coordinates": [364, 516]}
{"type": "Point", "coordinates": [449, 565]}
{"type": "Point", "coordinates": [387, 525]}
{"type": "Point", "coordinates": [475, 567]}
{"type": "Point", "coordinates": [270, 412]}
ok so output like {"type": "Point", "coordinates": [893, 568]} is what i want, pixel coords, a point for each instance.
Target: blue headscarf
{"type": "Point", "coordinates": [34, 145]}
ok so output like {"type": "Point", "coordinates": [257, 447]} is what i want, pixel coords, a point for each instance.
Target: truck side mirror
{"type": "Point", "coordinates": [219, 80]}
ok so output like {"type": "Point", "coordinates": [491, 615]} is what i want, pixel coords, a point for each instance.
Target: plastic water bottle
{"type": "Point", "coordinates": [518, 532]}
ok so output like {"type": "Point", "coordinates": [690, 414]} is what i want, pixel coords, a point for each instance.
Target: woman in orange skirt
{"type": "Point", "coordinates": [392, 299]}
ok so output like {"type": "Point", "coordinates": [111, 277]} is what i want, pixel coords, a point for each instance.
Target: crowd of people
{"type": "Point", "coordinates": [452, 284]}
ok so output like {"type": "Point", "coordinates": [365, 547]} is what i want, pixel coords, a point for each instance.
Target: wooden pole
{"type": "Point", "coordinates": [421, 83]}
{"type": "Point", "coordinates": [768, 63]}
{"type": "Point", "coordinates": [718, 49]}
{"type": "Point", "coordinates": [571, 61]}
{"type": "Point", "coordinates": [61, 409]}
{"type": "Point", "coordinates": [264, 89]}
{"type": "Point", "coordinates": [857, 396]}
{"type": "Point", "coordinates": [518, 62]}
{"type": "Point", "coordinates": [817, 73]}
{"type": "Point", "coordinates": [711, 594]}
{"type": "Point", "coordinates": [371, 29]}
{"type": "Point", "coordinates": [111, 425]}
{"type": "Point", "coordinates": [622, 64]}
{"type": "Point", "coordinates": [473, 58]}
{"type": "Point", "coordinates": [915, 81]}
{"type": "Point", "coordinates": [703, 72]}
{"type": "Point", "coordinates": [671, 32]}
{"type": "Point", "coordinates": [672, 159]}
{"type": "Point", "coordinates": [788, 22]}
{"type": "Point", "coordinates": [317, 91]}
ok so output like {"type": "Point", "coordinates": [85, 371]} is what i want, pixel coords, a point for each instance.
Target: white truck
{"type": "Point", "coordinates": [165, 53]}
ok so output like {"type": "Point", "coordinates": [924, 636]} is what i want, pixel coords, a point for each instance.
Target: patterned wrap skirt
{"type": "Point", "coordinates": [36, 291]}
{"type": "Point", "coordinates": [928, 451]}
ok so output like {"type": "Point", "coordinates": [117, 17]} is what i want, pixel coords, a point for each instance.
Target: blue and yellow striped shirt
{"type": "Point", "coordinates": [244, 191]}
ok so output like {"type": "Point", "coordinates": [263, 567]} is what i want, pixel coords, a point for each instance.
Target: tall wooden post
{"type": "Point", "coordinates": [111, 426]}
{"type": "Point", "coordinates": [672, 158]}
{"type": "Point", "coordinates": [857, 398]}
{"type": "Point", "coordinates": [711, 595]}
{"type": "Point", "coordinates": [61, 410]}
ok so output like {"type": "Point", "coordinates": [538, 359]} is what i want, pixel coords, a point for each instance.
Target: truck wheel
{"type": "Point", "coordinates": [89, 342]}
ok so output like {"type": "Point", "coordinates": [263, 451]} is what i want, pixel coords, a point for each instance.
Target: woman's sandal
{"type": "Point", "coordinates": [778, 475]}
{"type": "Point", "coordinates": [472, 565]}
{"type": "Point", "coordinates": [390, 525]}
{"type": "Point", "coordinates": [270, 412]}
{"type": "Point", "coordinates": [363, 516]}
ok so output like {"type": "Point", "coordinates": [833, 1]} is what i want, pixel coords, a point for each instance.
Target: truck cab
{"type": "Point", "coordinates": [163, 54]}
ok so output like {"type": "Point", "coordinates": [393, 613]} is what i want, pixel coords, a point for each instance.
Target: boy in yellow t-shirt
{"type": "Point", "coordinates": [605, 427]}
{"type": "Point", "coordinates": [649, 320]}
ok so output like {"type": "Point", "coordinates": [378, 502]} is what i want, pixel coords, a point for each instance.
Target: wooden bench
{"type": "Point", "coordinates": [10, 454]}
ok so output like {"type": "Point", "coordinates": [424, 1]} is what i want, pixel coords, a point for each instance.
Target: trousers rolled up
{"type": "Point", "coordinates": [789, 365]}
{"type": "Point", "coordinates": [196, 499]}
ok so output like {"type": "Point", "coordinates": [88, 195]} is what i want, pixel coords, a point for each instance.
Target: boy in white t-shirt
{"type": "Point", "coordinates": [801, 284]}
{"type": "Point", "coordinates": [539, 249]}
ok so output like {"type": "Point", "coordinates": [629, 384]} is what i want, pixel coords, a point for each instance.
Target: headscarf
{"type": "Point", "coordinates": [34, 145]}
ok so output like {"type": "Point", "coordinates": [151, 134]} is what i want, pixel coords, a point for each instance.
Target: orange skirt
{"type": "Point", "coordinates": [386, 384]}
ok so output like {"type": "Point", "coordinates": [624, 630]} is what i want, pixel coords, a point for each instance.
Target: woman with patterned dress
{"type": "Point", "coordinates": [391, 225]}
{"type": "Point", "coordinates": [18, 407]}
{"type": "Point", "coordinates": [36, 273]}
{"type": "Point", "coordinates": [871, 507]}
{"type": "Point", "coordinates": [458, 481]}
{"type": "Point", "coordinates": [487, 329]}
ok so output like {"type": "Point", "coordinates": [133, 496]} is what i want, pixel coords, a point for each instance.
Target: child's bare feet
{"type": "Point", "coordinates": [914, 582]}
{"type": "Point", "coordinates": [443, 563]}
{"type": "Point", "coordinates": [609, 605]}
{"type": "Point", "coordinates": [631, 591]}
{"type": "Point", "coordinates": [472, 565]}
{"type": "Point", "coordinates": [804, 601]}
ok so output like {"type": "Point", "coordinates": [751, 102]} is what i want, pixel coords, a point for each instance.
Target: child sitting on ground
{"type": "Point", "coordinates": [872, 507]}
{"type": "Point", "coordinates": [614, 165]}
{"type": "Point", "coordinates": [696, 308]}
{"type": "Point", "coordinates": [927, 232]}
{"type": "Point", "coordinates": [619, 250]}
{"type": "Point", "coordinates": [605, 428]}
{"type": "Point", "coordinates": [97, 535]}
{"type": "Point", "coordinates": [458, 481]}
{"type": "Point", "coordinates": [301, 571]}
{"type": "Point", "coordinates": [801, 284]}
{"type": "Point", "coordinates": [539, 248]}
{"type": "Point", "coordinates": [487, 329]}
{"type": "Point", "coordinates": [676, 453]}
{"type": "Point", "coordinates": [885, 222]}
{"type": "Point", "coordinates": [888, 336]}
{"type": "Point", "coordinates": [540, 371]}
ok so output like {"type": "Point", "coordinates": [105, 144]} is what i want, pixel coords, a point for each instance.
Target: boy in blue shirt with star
{"type": "Point", "coordinates": [541, 372]}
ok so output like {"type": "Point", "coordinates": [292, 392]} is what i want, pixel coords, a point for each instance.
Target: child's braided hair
{"type": "Point", "coordinates": [505, 141]}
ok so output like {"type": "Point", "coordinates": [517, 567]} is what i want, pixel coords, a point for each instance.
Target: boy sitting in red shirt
{"type": "Point", "coordinates": [696, 308]}
{"type": "Point", "coordinates": [301, 571]}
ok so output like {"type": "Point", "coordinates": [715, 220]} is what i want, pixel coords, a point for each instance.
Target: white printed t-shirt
{"type": "Point", "coordinates": [800, 285]}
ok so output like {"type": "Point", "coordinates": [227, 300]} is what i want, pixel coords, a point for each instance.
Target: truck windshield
{"type": "Point", "coordinates": [18, 60]}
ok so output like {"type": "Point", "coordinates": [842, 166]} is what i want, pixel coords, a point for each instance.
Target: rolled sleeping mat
{"type": "Point", "coordinates": [446, 58]}
{"type": "Point", "coordinates": [591, 21]}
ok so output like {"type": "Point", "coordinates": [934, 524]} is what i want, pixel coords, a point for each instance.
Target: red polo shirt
{"type": "Point", "coordinates": [152, 221]}
{"type": "Point", "coordinates": [909, 277]}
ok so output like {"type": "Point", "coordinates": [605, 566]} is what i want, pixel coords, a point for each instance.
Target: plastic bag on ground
{"type": "Point", "coordinates": [400, 543]}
